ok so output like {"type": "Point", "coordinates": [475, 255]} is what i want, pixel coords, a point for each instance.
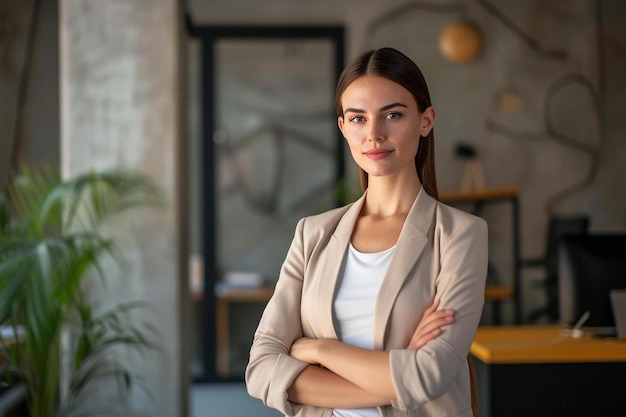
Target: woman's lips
{"type": "Point", "coordinates": [377, 153]}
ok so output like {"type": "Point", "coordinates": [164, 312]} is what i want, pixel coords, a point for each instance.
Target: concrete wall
{"type": "Point", "coordinates": [122, 69]}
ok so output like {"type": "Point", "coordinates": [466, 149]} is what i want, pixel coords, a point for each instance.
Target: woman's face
{"type": "Point", "coordinates": [382, 125]}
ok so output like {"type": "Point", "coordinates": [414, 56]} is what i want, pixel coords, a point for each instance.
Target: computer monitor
{"type": "Point", "coordinates": [590, 266]}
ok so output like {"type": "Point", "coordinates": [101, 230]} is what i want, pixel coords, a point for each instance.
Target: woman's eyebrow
{"type": "Point", "coordinates": [387, 107]}
{"type": "Point", "coordinates": [392, 105]}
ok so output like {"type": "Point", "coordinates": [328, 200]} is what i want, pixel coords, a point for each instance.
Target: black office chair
{"type": "Point", "coordinates": [558, 227]}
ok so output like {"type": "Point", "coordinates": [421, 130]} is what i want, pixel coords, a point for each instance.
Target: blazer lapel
{"type": "Point", "coordinates": [336, 251]}
{"type": "Point", "coordinates": [411, 242]}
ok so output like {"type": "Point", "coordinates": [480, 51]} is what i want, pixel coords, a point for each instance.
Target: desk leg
{"type": "Point", "coordinates": [496, 312]}
{"type": "Point", "coordinates": [223, 338]}
{"type": "Point", "coordinates": [517, 287]}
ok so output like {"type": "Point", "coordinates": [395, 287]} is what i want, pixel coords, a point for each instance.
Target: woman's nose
{"type": "Point", "coordinates": [376, 131]}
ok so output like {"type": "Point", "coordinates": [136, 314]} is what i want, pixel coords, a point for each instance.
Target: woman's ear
{"type": "Point", "coordinates": [340, 124]}
{"type": "Point", "coordinates": [428, 121]}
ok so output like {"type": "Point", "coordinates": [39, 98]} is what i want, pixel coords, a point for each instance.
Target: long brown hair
{"type": "Point", "coordinates": [395, 66]}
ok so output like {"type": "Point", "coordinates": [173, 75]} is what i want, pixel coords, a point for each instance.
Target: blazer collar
{"type": "Point", "coordinates": [337, 248]}
{"type": "Point", "coordinates": [345, 227]}
{"type": "Point", "coordinates": [411, 242]}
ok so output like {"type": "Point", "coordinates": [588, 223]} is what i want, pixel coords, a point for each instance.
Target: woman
{"type": "Point", "coordinates": [377, 302]}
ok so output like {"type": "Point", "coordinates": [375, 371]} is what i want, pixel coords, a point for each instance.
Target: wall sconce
{"type": "Point", "coordinates": [509, 101]}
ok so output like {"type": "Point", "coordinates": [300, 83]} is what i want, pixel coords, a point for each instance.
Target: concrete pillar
{"type": "Point", "coordinates": [121, 103]}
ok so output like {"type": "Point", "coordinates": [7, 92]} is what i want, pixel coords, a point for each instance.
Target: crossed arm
{"type": "Point", "coordinates": [345, 376]}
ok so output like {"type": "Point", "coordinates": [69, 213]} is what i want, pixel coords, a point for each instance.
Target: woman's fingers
{"type": "Point", "coordinates": [425, 335]}
{"type": "Point", "coordinates": [429, 314]}
{"type": "Point", "coordinates": [436, 319]}
{"type": "Point", "coordinates": [431, 309]}
{"type": "Point", "coordinates": [430, 326]}
{"type": "Point", "coordinates": [421, 339]}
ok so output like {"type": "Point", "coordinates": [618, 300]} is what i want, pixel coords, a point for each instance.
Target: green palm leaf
{"type": "Point", "coordinates": [52, 235]}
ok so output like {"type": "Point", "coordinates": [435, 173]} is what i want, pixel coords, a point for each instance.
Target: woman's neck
{"type": "Point", "coordinates": [387, 197]}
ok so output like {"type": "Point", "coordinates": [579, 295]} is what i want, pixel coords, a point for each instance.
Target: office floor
{"type": "Point", "coordinates": [226, 400]}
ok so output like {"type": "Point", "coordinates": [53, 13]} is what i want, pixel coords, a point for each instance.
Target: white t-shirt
{"type": "Point", "coordinates": [354, 306]}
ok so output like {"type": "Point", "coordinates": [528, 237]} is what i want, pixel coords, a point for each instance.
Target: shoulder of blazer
{"type": "Point", "coordinates": [451, 220]}
{"type": "Point", "coordinates": [429, 216]}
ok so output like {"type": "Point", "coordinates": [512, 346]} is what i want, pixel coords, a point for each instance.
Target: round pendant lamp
{"type": "Point", "coordinates": [460, 42]}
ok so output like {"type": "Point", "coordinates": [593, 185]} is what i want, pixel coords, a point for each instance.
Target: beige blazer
{"type": "Point", "coordinates": [441, 253]}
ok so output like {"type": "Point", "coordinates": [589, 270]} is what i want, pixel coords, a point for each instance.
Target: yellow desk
{"type": "Point", "coordinates": [542, 344]}
{"type": "Point", "coordinates": [542, 371]}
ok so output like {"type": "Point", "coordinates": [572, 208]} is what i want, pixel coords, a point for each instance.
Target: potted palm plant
{"type": "Point", "coordinates": [53, 240]}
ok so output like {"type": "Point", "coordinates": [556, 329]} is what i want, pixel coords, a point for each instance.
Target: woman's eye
{"type": "Point", "coordinates": [357, 119]}
{"type": "Point", "coordinates": [392, 115]}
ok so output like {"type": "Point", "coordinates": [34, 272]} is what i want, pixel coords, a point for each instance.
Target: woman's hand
{"type": "Point", "coordinates": [430, 326]}
{"type": "Point", "coordinates": [306, 350]}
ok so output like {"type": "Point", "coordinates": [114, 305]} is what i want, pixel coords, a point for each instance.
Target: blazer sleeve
{"type": "Point", "coordinates": [423, 375]}
{"type": "Point", "coordinates": [271, 371]}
